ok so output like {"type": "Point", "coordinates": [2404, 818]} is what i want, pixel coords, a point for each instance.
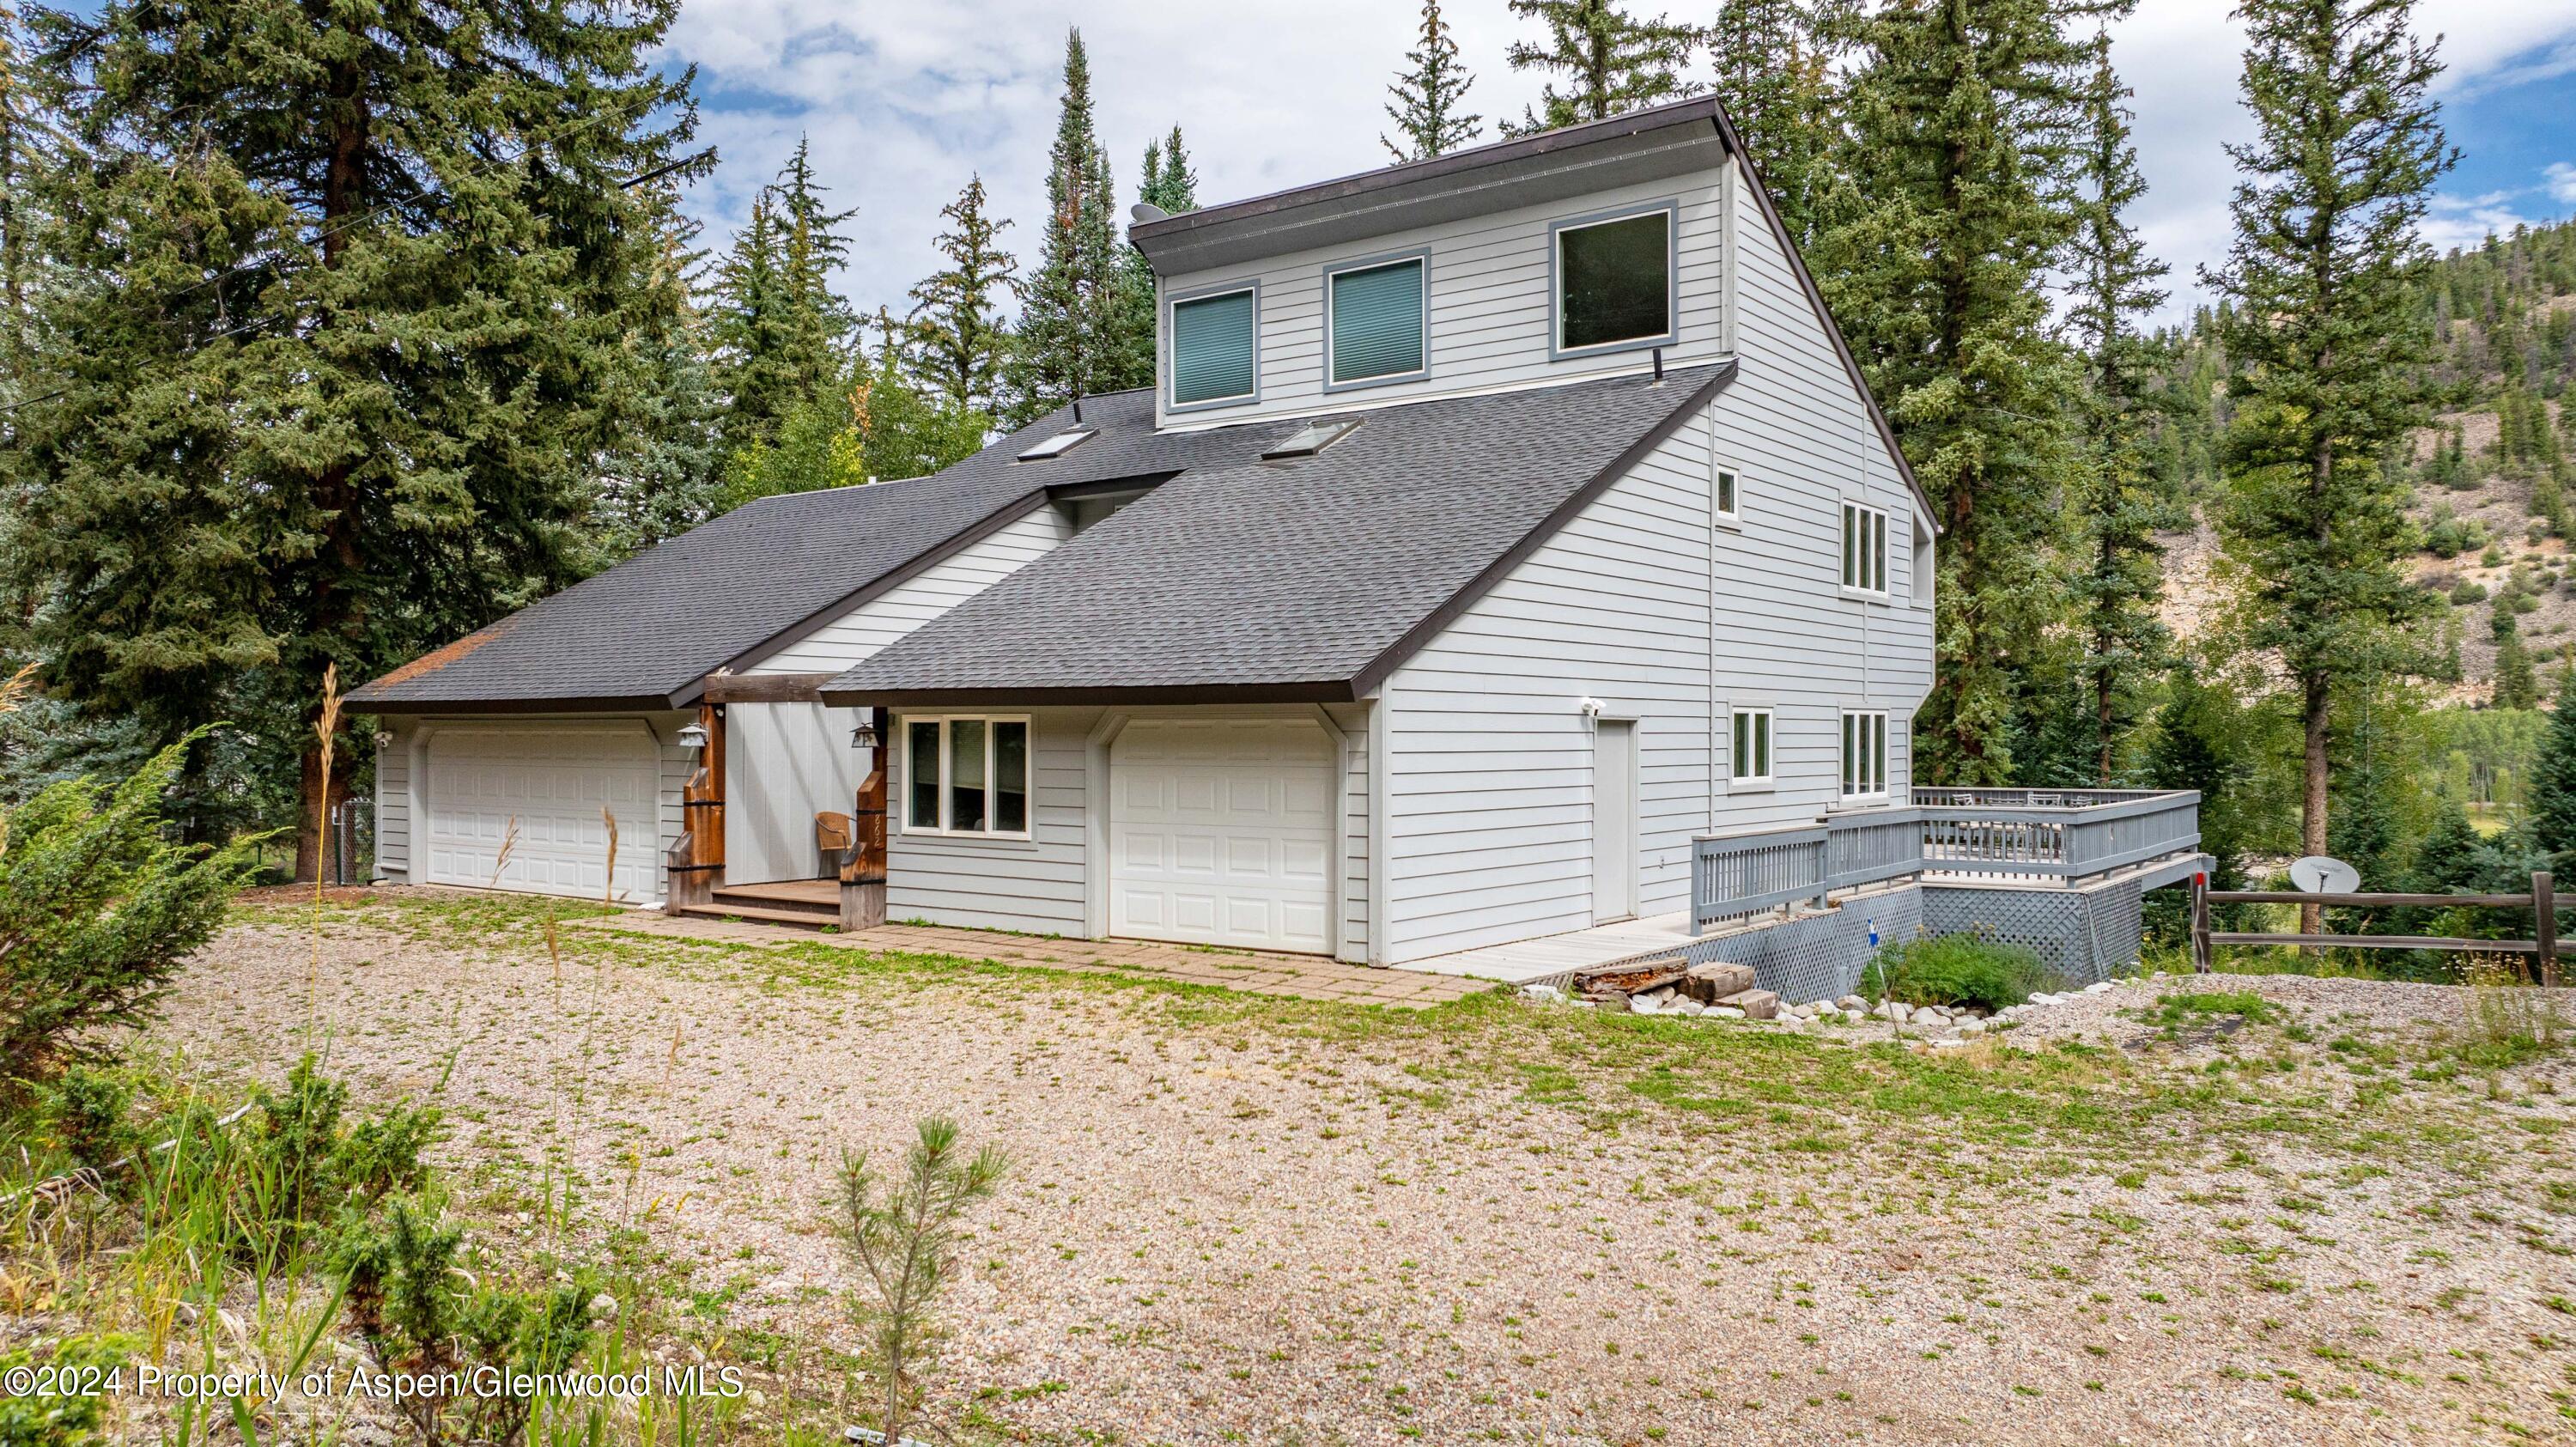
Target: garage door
{"type": "Point", "coordinates": [520, 808]}
{"type": "Point", "coordinates": [1221, 833]}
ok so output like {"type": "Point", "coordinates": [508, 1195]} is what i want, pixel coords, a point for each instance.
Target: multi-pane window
{"type": "Point", "coordinates": [1376, 322]}
{"type": "Point", "coordinates": [966, 775]}
{"type": "Point", "coordinates": [1213, 340]}
{"type": "Point", "coordinates": [1864, 755]}
{"type": "Point", "coordinates": [1614, 282]}
{"type": "Point", "coordinates": [1864, 548]}
{"type": "Point", "coordinates": [1752, 745]}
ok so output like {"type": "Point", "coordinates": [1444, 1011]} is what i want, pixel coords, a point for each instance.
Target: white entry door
{"type": "Point", "coordinates": [1220, 833]}
{"type": "Point", "coordinates": [1614, 821]}
{"type": "Point", "coordinates": [520, 806]}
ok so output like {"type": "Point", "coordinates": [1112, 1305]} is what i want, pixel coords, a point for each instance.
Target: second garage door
{"type": "Point", "coordinates": [1220, 833]}
{"type": "Point", "coordinates": [528, 807]}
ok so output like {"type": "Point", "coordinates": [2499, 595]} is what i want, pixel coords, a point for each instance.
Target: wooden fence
{"type": "Point", "coordinates": [2542, 902]}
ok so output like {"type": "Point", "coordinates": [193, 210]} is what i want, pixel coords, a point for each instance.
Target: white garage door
{"type": "Point", "coordinates": [520, 807]}
{"type": "Point", "coordinates": [1220, 833]}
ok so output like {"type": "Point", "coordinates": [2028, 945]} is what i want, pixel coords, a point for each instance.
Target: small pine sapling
{"type": "Point", "coordinates": [904, 1240]}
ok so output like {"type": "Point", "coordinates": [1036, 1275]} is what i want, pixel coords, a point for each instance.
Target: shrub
{"type": "Point", "coordinates": [2469, 591]}
{"type": "Point", "coordinates": [31, 1419]}
{"type": "Point", "coordinates": [97, 909]}
{"type": "Point", "coordinates": [1954, 970]}
{"type": "Point", "coordinates": [88, 1109]}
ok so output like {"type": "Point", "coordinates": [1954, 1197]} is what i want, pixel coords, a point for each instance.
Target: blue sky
{"type": "Point", "coordinates": [904, 101]}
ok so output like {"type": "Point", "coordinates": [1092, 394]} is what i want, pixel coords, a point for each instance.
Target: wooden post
{"type": "Point", "coordinates": [863, 871]}
{"type": "Point", "coordinates": [2544, 914]}
{"type": "Point", "coordinates": [702, 802]}
{"type": "Point", "coordinates": [2200, 921]}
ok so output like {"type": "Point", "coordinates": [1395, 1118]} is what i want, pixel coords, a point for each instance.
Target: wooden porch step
{"type": "Point", "coordinates": [809, 918]}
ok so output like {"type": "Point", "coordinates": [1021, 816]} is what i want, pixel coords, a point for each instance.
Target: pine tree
{"type": "Point", "coordinates": [1774, 77]}
{"type": "Point", "coordinates": [958, 336]}
{"type": "Point", "coordinates": [22, 152]}
{"type": "Point", "coordinates": [781, 332]}
{"type": "Point", "coordinates": [1426, 109]}
{"type": "Point", "coordinates": [351, 336]}
{"type": "Point", "coordinates": [2325, 339]}
{"type": "Point", "coordinates": [1075, 335]}
{"type": "Point", "coordinates": [1949, 207]}
{"type": "Point", "coordinates": [1168, 182]}
{"type": "Point", "coordinates": [2553, 778]}
{"type": "Point", "coordinates": [2119, 578]}
{"type": "Point", "coordinates": [668, 478]}
{"type": "Point", "coordinates": [1610, 61]}
{"type": "Point", "coordinates": [2516, 685]}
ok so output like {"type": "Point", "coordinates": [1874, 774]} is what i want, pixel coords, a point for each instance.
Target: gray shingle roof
{"type": "Point", "coordinates": [1302, 579]}
{"type": "Point", "coordinates": [646, 632]}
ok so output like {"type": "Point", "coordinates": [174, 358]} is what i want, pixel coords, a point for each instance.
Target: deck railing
{"type": "Point", "coordinates": [2047, 836]}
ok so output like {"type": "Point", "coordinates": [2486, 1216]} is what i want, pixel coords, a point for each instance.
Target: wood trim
{"type": "Point", "coordinates": [765, 687]}
{"type": "Point", "coordinates": [702, 799]}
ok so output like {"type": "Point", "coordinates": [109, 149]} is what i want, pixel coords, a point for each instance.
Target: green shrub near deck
{"type": "Point", "coordinates": [1954, 970]}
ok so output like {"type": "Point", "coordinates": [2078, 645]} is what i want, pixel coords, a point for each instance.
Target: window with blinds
{"type": "Point", "coordinates": [1376, 322]}
{"type": "Point", "coordinates": [1212, 348]}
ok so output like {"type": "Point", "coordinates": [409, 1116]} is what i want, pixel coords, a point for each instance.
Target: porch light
{"type": "Point", "coordinates": [865, 735]}
{"type": "Point", "coordinates": [692, 736]}
{"type": "Point", "coordinates": [384, 738]}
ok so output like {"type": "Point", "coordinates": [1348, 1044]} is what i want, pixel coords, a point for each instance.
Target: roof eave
{"type": "Point", "coordinates": [440, 707]}
{"type": "Point", "coordinates": [1310, 691]}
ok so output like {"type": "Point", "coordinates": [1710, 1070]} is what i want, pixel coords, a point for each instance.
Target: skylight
{"type": "Point", "coordinates": [1310, 439]}
{"type": "Point", "coordinates": [1060, 444]}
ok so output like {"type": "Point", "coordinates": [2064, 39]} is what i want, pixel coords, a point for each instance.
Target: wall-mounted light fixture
{"type": "Point", "coordinates": [691, 736]}
{"type": "Point", "coordinates": [1591, 709]}
{"type": "Point", "coordinates": [865, 735]}
{"type": "Point", "coordinates": [384, 739]}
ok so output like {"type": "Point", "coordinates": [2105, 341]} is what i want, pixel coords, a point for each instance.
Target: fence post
{"type": "Point", "coordinates": [2544, 917]}
{"type": "Point", "coordinates": [2200, 921]}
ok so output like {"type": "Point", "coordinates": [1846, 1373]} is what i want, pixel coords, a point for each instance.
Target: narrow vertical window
{"type": "Point", "coordinates": [1864, 549]}
{"type": "Point", "coordinates": [921, 773]}
{"type": "Point", "coordinates": [1010, 777]}
{"type": "Point", "coordinates": [968, 768]}
{"type": "Point", "coordinates": [1722, 488]}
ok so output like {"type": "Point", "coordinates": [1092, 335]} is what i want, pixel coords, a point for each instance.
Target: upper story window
{"type": "Point", "coordinates": [1614, 282]}
{"type": "Point", "coordinates": [1215, 337]}
{"type": "Point", "coordinates": [1375, 321]}
{"type": "Point", "coordinates": [1864, 549]}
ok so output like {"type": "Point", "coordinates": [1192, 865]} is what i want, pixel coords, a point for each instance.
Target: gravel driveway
{"type": "Point", "coordinates": [1238, 1219]}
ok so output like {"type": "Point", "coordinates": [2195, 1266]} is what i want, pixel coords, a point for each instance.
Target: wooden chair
{"type": "Point", "coordinates": [832, 840]}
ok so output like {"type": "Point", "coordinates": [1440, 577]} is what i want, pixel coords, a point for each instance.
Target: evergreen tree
{"type": "Point", "coordinates": [1427, 109]}
{"type": "Point", "coordinates": [2201, 743]}
{"type": "Point", "coordinates": [874, 423]}
{"type": "Point", "coordinates": [780, 331]}
{"type": "Point", "coordinates": [1609, 61]}
{"type": "Point", "coordinates": [22, 153]}
{"type": "Point", "coordinates": [668, 478]}
{"type": "Point", "coordinates": [2516, 685]}
{"type": "Point", "coordinates": [349, 332]}
{"type": "Point", "coordinates": [2325, 338]}
{"type": "Point", "coordinates": [1774, 77]}
{"type": "Point", "coordinates": [1168, 181]}
{"type": "Point", "coordinates": [2553, 778]}
{"type": "Point", "coordinates": [1077, 317]}
{"type": "Point", "coordinates": [2119, 576]}
{"type": "Point", "coordinates": [957, 333]}
{"type": "Point", "coordinates": [1951, 203]}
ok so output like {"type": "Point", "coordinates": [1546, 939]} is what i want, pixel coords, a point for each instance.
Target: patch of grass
{"type": "Point", "coordinates": [1954, 970]}
{"type": "Point", "coordinates": [2172, 1011]}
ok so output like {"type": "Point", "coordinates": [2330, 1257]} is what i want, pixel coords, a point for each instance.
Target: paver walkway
{"type": "Point", "coordinates": [1307, 977]}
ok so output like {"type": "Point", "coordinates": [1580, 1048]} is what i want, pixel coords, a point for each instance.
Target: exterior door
{"type": "Point", "coordinates": [1220, 833]}
{"type": "Point", "coordinates": [1614, 821]}
{"type": "Point", "coordinates": [528, 807]}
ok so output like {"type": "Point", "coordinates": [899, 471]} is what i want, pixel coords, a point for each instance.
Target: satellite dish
{"type": "Point", "coordinates": [2317, 874]}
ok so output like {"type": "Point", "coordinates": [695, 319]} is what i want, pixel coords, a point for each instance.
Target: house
{"type": "Point", "coordinates": [1500, 527]}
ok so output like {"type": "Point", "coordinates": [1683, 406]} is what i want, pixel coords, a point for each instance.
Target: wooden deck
{"type": "Point", "coordinates": [809, 892]}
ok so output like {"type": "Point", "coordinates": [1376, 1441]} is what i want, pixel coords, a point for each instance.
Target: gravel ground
{"type": "Point", "coordinates": [1280, 1222]}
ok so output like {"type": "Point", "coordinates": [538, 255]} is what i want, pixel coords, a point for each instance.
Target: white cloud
{"type": "Point", "coordinates": [2561, 180]}
{"type": "Point", "coordinates": [903, 101]}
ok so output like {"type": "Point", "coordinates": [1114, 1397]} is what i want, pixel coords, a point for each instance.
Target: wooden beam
{"type": "Point", "coordinates": [702, 800]}
{"type": "Point", "coordinates": [765, 687]}
{"type": "Point", "coordinates": [2433, 901]}
{"type": "Point", "coordinates": [2544, 911]}
{"type": "Point", "coordinates": [2382, 942]}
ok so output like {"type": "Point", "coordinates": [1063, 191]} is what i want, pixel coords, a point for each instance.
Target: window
{"type": "Point", "coordinates": [1375, 324]}
{"type": "Point", "coordinates": [1060, 444]}
{"type": "Point", "coordinates": [1922, 573]}
{"type": "Point", "coordinates": [1724, 483]}
{"type": "Point", "coordinates": [966, 775]}
{"type": "Point", "coordinates": [1864, 549]}
{"type": "Point", "coordinates": [1752, 754]}
{"type": "Point", "coordinates": [1212, 348]}
{"type": "Point", "coordinates": [1864, 756]}
{"type": "Point", "coordinates": [1614, 282]}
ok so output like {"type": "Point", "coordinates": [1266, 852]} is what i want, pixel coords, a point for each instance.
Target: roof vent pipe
{"type": "Point", "coordinates": [1077, 411]}
{"type": "Point", "coordinates": [1659, 364]}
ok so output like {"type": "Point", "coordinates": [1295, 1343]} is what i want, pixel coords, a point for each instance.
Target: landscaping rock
{"type": "Point", "coordinates": [1852, 1002]}
{"type": "Point", "coordinates": [1756, 1004]}
{"type": "Point", "coordinates": [1714, 981]}
{"type": "Point", "coordinates": [1970, 1027]}
{"type": "Point", "coordinates": [1645, 1005]}
{"type": "Point", "coordinates": [1685, 1005]}
{"type": "Point", "coordinates": [2097, 987]}
{"type": "Point", "coordinates": [1854, 1017]}
{"type": "Point", "coordinates": [1724, 1012]}
{"type": "Point", "coordinates": [1544, 994]}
